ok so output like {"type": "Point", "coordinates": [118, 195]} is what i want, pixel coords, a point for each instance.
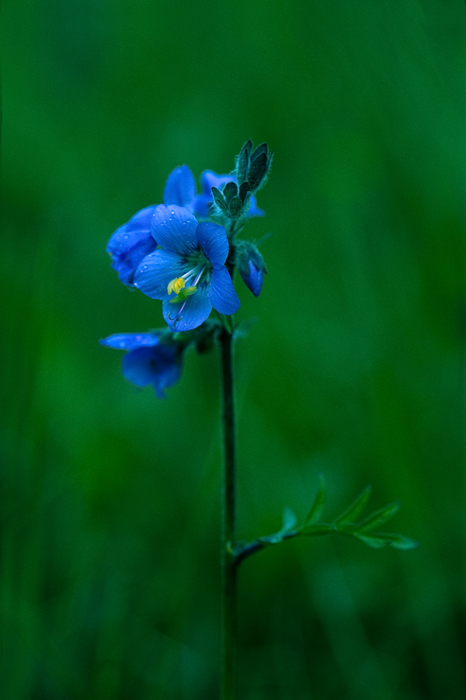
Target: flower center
{"type": "Point", "coordinates": [176, 285]}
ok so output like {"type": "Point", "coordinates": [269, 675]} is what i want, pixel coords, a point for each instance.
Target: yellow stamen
{"type": "Point", "coordinates": [176, 285]}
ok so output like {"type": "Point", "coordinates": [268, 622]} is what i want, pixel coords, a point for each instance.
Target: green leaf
{"type": "Point", "coordinates": [380, 517]}
{"type": "Point", "coordinates": [374, 541]}
{"type": "Point", "coordinates": [355, 509]}
{"type": "Point", "coordinates": [399, 541]}
{"type": "Point", "coordinates": [347, 528]}
{"type": "Point", "coordinates": [316, 508]}
{"type": "Point", "coordinates": [320, 529]}
{"type": "Point", "coordinates": [384, 539]}
{"type": "Point", "coordinates": [289, 520]}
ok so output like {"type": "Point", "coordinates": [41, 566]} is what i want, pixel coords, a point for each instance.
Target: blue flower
{"type": "Point", "coordinates": [130, 244]}
{"type": "Point", "coordinates": [148, 360]}
{"type": "Point", "coordinates": [188, 271]}
{"type": "Point", "coordinates": [210, 179]}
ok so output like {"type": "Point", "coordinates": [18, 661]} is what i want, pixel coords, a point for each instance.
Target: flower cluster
{"type": "Point", "coordinates": [176, 253]}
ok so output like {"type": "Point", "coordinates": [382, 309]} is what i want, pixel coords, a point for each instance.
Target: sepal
{"type": "Point", "coordinates": [231, 201]}
{"type": "Point", "coordinates": [220, 200]}
{"type": "Point", "coordinates": [242, 162]}
{"type": "Point", "coordinates": [253, 166]}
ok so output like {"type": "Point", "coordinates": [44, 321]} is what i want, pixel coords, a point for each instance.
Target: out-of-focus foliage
{"type": "Point", "coordinates": [110, 505]}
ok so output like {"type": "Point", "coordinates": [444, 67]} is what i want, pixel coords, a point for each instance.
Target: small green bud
{"type": "Point", "coordinates": [220, 200]}
{"type": "Point", "coordinates": [254, 167]}
{"type": "Point", "coordinates": [244, 191]}
{"type": "Point", "coordinates": [230, 190]}
{"type": "Point", "coordinates": [242, 163]}
{"type": "Point", "coordinates": [235, 206]}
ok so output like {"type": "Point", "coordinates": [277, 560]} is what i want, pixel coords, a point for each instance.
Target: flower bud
{"type": "Point", "coordinates": [251, 266]}
{"type": "Point", "coordinates": [253, 166]}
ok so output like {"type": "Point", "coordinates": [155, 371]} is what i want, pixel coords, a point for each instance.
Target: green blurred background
{"type": "Point", "coordinates": [110, 497]}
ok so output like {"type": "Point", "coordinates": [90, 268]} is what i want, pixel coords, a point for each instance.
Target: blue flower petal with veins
{"type": "Point", "coordinates": [187, 273]}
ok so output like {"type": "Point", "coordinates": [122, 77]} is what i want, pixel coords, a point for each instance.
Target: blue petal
{"type": "Point", "coordinates": [180, 188]}
{"type": "Point", "coordinates": [130, 341]}
{"type": "Point", "coordinates": [202, 205]}
{"type": "Point", "coordinates": [138, 227]}
{"type": "Point", "coordinates": [253, 280]}
{"type": "Point", "coordinates": [126, 263]}
{"type": "Point", "coordinates": [222, 293]}
{"type": "Point", "coordinates": [159, 365]}
{"type": "Point", "coordinates": [156, 271]}
{"type": "Point", "coordinates": [141, 220]}
{"type": "Point", "coordinates": [131, 243]}
{"type": "Point", "coordinates": [193, 312]}
{"type": "Point", "coordinates": [214, 242]}
{"type": "Point", "coordinates": [254, 209]}
{"type": "Point", "coordinates": [174, 228]}
{"type": "Point", "coordinates": [210, 179]}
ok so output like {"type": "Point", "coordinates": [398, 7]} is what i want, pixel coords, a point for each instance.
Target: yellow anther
{"type": "Point", "coordinates": [176, 285]}
{"type": "Point", "coordinates": [187, 291]}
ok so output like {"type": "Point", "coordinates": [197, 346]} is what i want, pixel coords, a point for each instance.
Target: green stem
{"type": "Point", "coordinates": [228, 524]}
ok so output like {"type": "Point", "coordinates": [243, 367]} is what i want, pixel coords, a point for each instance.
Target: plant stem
{"type": "Point", "coordinates": [228, 521]}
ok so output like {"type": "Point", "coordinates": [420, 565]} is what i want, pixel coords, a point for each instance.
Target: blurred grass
{"type": "Point", "coordinates": [110, 505]}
